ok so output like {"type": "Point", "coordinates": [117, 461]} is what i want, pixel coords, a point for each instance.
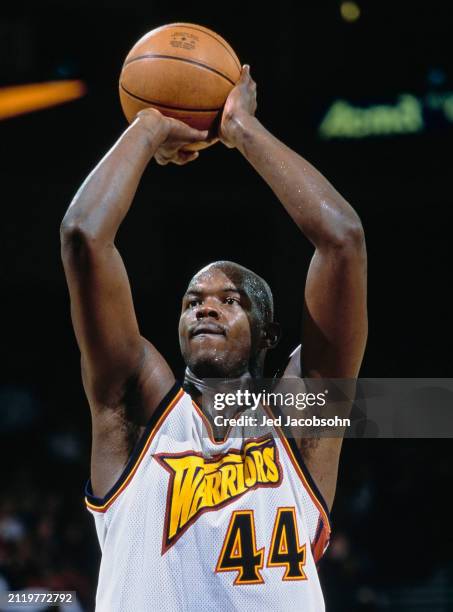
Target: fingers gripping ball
{"type": "Point", "coordinates": [183, 70]}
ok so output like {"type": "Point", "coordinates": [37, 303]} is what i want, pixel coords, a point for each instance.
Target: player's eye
{"type": "Point", "coordinates": [231, 300]}
{"type": "Point", "coordinates": [193, 303]}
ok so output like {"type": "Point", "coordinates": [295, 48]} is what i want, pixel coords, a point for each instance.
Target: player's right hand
{"type": "Point", "coordinates": [179, 135]}
{"type": "Point", "coordinates": [173, 136]}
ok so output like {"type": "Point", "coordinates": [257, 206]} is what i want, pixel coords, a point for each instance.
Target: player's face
{"type": "Point", "coordinates": [214, 328]}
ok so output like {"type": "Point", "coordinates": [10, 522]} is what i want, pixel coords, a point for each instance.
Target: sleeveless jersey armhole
{"type": "Point", "coordinates": [296, 458]}
{"type": "Point", "coordinates": [101, 504]}
{"type": "Point", "coordinates": [323, 531]}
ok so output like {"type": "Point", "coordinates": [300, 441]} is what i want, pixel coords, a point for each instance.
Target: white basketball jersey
{"type": "Point", "coordinates": [198, 525]}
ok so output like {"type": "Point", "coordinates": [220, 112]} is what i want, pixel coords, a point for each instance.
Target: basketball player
{"type": "Point", "coordinates": [186, 521]}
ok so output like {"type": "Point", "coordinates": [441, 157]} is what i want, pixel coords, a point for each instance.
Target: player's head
{"type": "Point", "coordinates": [226, 323]}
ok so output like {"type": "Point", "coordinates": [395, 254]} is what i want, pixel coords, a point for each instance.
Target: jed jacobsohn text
{"type": "Point", "coordinates": [279, 421]}
{"type": "Point", "coordinates": [250, 400]}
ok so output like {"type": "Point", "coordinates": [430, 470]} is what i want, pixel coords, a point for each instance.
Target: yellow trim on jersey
{"type": "Point", "coordinates": [133, 469]}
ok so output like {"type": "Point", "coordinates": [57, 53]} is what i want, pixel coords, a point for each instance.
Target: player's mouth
{"type": "Point", "coordinates": [207, 329]}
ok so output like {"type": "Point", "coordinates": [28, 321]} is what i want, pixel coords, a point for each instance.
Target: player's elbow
{"type": "Point", "coordinates": [353, 234]}
{"type": "Point", "coordinates": [75, 238]}
{"type": "Point", "coordinates": [348, 235]}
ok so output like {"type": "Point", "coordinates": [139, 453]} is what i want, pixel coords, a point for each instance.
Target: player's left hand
{"type": "Point", "coordinates": [240, 103]}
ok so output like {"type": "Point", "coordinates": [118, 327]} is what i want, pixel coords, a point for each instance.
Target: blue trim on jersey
{"type": "Point", "coordinates": [101, 501]}
{"type": "Point", "coordinates": [318, 533]}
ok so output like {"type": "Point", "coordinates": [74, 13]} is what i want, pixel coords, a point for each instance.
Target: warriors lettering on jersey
{"type": "Point", "coordinates": [199, 484]}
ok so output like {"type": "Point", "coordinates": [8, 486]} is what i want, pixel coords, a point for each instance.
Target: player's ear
{"type": "Point", "coordinates": [271, 334]}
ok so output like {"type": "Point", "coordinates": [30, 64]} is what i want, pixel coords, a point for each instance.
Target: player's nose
{"type": "Point", "coordinates": [207, 311]}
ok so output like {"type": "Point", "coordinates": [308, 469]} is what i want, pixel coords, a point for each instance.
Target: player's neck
{"type": "Point", "coordinates": [202, 390]}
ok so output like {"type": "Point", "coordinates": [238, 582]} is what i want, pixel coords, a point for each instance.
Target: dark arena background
{"type": "Point", "coordinates": [364, 90]}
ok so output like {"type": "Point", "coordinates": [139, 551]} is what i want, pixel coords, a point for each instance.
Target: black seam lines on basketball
{"type": "Point", "coordinates": [177, 108]}
{"type": "Point", "coordinates": [189, 26]}
{"type": "Point", "coordinates": [179, 59]}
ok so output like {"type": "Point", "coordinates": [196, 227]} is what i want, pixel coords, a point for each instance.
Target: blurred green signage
{"type": "Point", "coordinates": [406, 116]}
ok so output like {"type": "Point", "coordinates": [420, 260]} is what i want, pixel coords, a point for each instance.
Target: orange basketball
{"type": "Point", "coordinates": [185, 71]}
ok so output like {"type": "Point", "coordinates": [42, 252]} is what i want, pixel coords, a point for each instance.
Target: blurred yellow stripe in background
{"type": "Point", "coordinates": [20, 99]}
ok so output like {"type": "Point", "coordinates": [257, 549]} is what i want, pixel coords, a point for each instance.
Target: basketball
{"type": "Point", "coordinates": [185, 71]}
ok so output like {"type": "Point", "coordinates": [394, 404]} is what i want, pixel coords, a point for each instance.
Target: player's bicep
{"type": "Point", "coordinates": [101, 303]}
{"type": "Point", "coordinates": [104, 319]}
{"type": "Point", "coordinates": [334, 324]}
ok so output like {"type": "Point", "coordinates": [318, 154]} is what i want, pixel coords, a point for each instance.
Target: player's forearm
{"type": "Point", "coordinates": [320, 212]}
{"type": "Point", "coordinates": [106, 195]}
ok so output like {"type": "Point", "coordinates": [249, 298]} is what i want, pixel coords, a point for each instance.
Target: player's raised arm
{"type": "Point", "coordinates": [334, 322]}
{"type": "Point", "coordinates": [114, 355]}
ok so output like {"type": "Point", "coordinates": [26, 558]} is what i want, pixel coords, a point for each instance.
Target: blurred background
{"type": "Point", "coordinates": [364, 90]}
